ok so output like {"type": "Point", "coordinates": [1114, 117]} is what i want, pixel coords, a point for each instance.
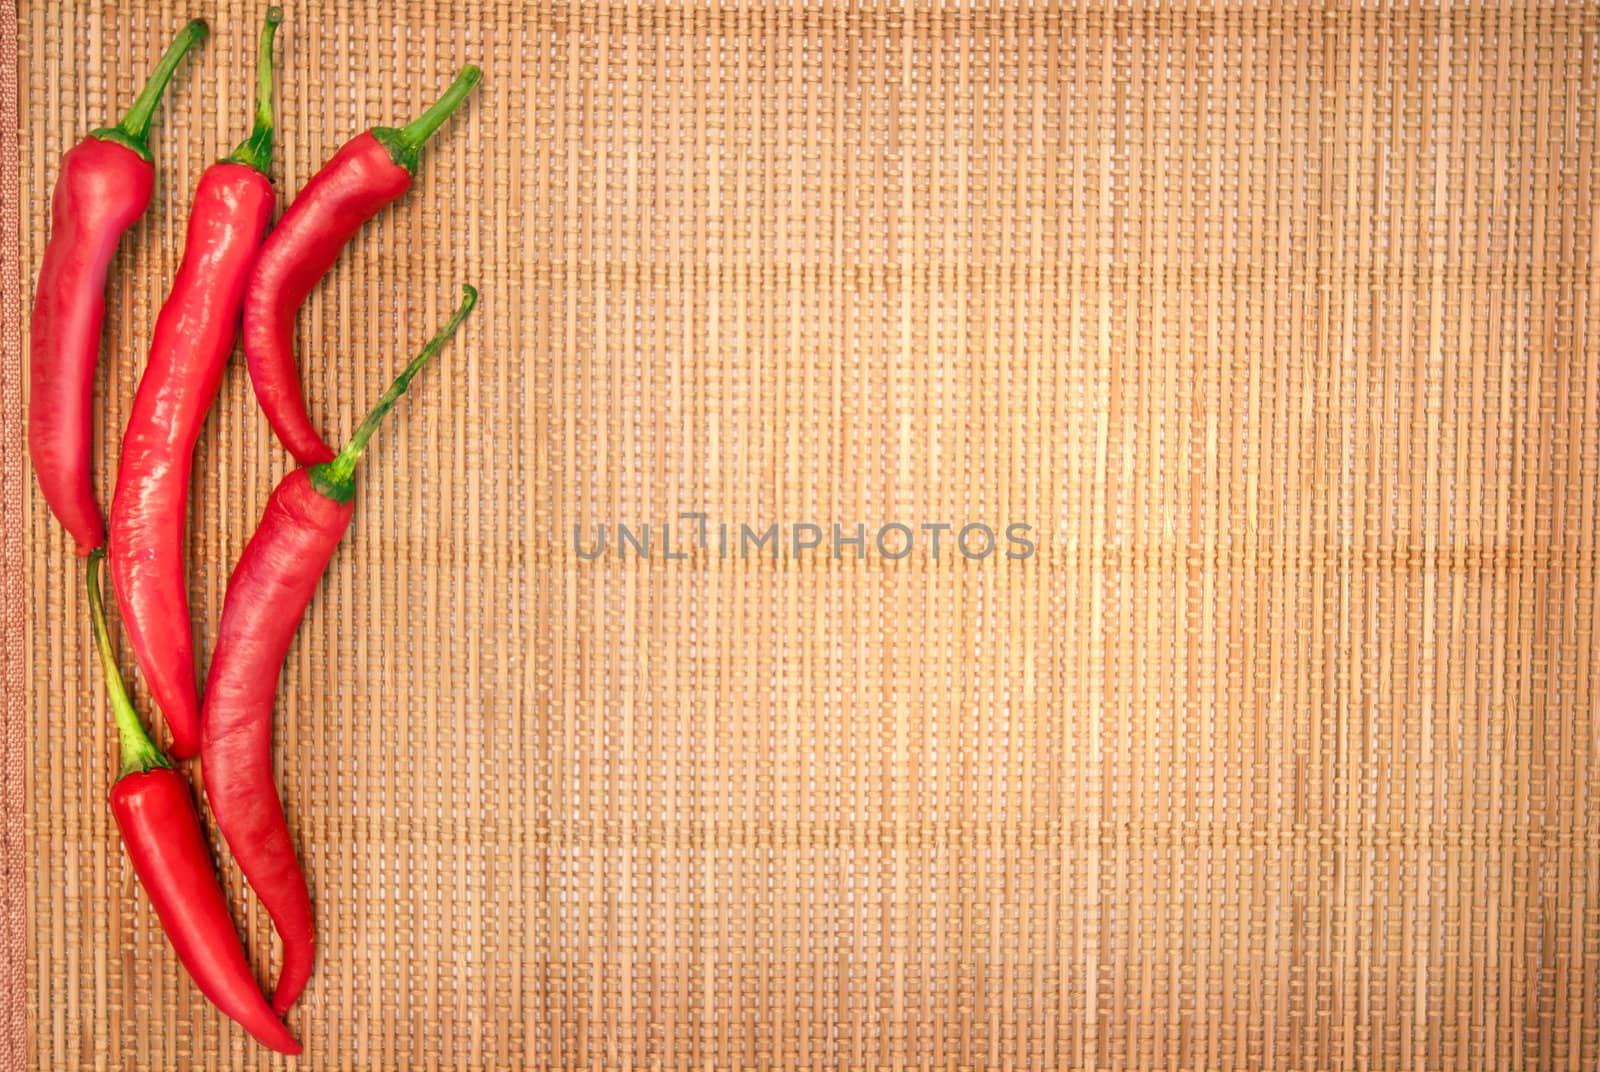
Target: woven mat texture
{"type": "Point", "coordinates": [1277, 323]}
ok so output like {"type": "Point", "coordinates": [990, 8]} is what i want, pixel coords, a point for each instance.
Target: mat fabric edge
{"type": "Point", "coordinates": [13, 696]}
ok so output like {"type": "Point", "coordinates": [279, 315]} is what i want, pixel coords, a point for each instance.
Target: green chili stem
{"type": "Point", "coordinates": [405, 143]}
{"type": "Point", "coordinates": [420, 129]}
{"type": "Point", "coordinates": [256, 150]}
{"type": "Point", "coordinates": [139, 752]}
{"type": "Point", "coordinates": [134, 127]}
{"type": "Point", "coordinates": [335, 479]}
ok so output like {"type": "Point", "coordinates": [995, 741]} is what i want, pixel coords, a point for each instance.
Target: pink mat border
{"type": "Point", "coordinates": [13, 685]}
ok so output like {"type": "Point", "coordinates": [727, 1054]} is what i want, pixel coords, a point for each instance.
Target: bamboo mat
{"type": "Point", "coordinates": [1277, 324]}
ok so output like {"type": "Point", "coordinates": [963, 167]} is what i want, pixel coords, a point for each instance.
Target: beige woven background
{"type": "Point", "coordinates": [1279, 324]}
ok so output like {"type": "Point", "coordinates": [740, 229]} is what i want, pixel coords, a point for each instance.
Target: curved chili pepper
{"type": "Point", "coordinates": [304, 520]}
{"type": "Point", "coordinates": [369, 172]}
{"type": "Point", "coordinates": [193, 336]}
{"type": "Point", "coordinates": [104, 186]}
{"type": "Point", "coordinates": [155, 813]}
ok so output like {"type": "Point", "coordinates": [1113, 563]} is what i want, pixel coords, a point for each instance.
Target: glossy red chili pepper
{"type": "Point", "coordinates": [369, 172]}
{"type": "Point", "coordinates": [193, 337]}
{"type": "Point", "coordinates": [104, 186]}
{"type": "Point", "coordinates": [161, 829]}
{"type": "Point", "coordinates": [272, 583]}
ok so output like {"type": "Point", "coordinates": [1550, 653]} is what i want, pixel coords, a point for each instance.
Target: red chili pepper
{"type": "Point", "coordinates": [104, 186]}
{"type": "Point", "coordinates": [273, 581]}
{"type": "Point", "coordinates": [193, 337]}
{"type": "Point", "coordinates": [370, 171]}
{"type": "Point", "coordinates": [155, 813]}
